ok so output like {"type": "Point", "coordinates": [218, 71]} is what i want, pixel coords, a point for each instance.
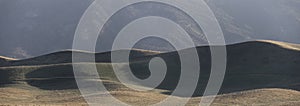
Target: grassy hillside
{"type": "Point", "coordinates": [251, 68]}
{"type": "Point", "coordinates": [5, 60]}
{"type": "Point", "coordinates": [66, 57]}
{"type": "Point", "coordinates": [250, 65]}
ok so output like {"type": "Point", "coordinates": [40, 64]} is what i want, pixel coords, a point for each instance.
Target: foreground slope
{"type": "Point", "coordinates": [26, 95]}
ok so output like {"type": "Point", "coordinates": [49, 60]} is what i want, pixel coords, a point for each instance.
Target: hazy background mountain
{"type": "Point", "coordinates": [34, 27]}
{"type": "Point", "coordinates": [259, 19]}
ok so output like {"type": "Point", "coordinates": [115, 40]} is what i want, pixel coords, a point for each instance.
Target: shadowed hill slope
{"type": "Point", "coordinates": [66, 57]}
{"type": "Point", "coordinates": [250, 65]}
{"type": "Point", "coordinates": [5, 60]}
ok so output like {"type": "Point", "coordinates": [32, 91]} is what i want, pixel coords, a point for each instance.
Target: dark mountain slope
{"type": "Point", "coordinates": [250, 65]}
{"type": "Point", "coordinates": [66, 57]}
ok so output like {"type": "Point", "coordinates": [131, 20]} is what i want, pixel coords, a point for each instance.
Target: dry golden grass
{"type": "Point", "coordinates": [260, 97]}
{"type": "Point", "coordinates": [7, 58]}
{"type": "Point", "coordinates": [29, 96]}
{"type": "Point", "coordinates": [283, 44]}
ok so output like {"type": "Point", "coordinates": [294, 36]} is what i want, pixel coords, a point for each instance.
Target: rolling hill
{"type": "Point", "coordinates": [258, 72]}
{"type": "Point", "coordinates": [5, 60]}
{"type": "Point", "coordinates": [66, 57]}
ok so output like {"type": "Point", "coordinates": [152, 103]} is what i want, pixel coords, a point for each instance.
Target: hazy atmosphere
{"type": "Point", "coordinates": [34, 27]}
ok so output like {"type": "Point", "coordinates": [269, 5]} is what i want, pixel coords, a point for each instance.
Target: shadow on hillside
{"type": "Point", "coordinates": [233, 82]}
{"type": "Point", "coordinates": [52, 78]}
{"type": "Point", "coordinates": [249, 66]}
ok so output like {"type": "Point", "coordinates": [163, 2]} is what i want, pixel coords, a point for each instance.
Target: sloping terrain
{"type": "Point", "coordinates": [26, 95]}
{"type": "Point", "coordinates": [254, 70]}
{"type": "Point", "coordinates": [66, 57]}
{"type": "Point", "coordinates": [5, 60]}
{"type": "Point", "coordinates": [250, 65]}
